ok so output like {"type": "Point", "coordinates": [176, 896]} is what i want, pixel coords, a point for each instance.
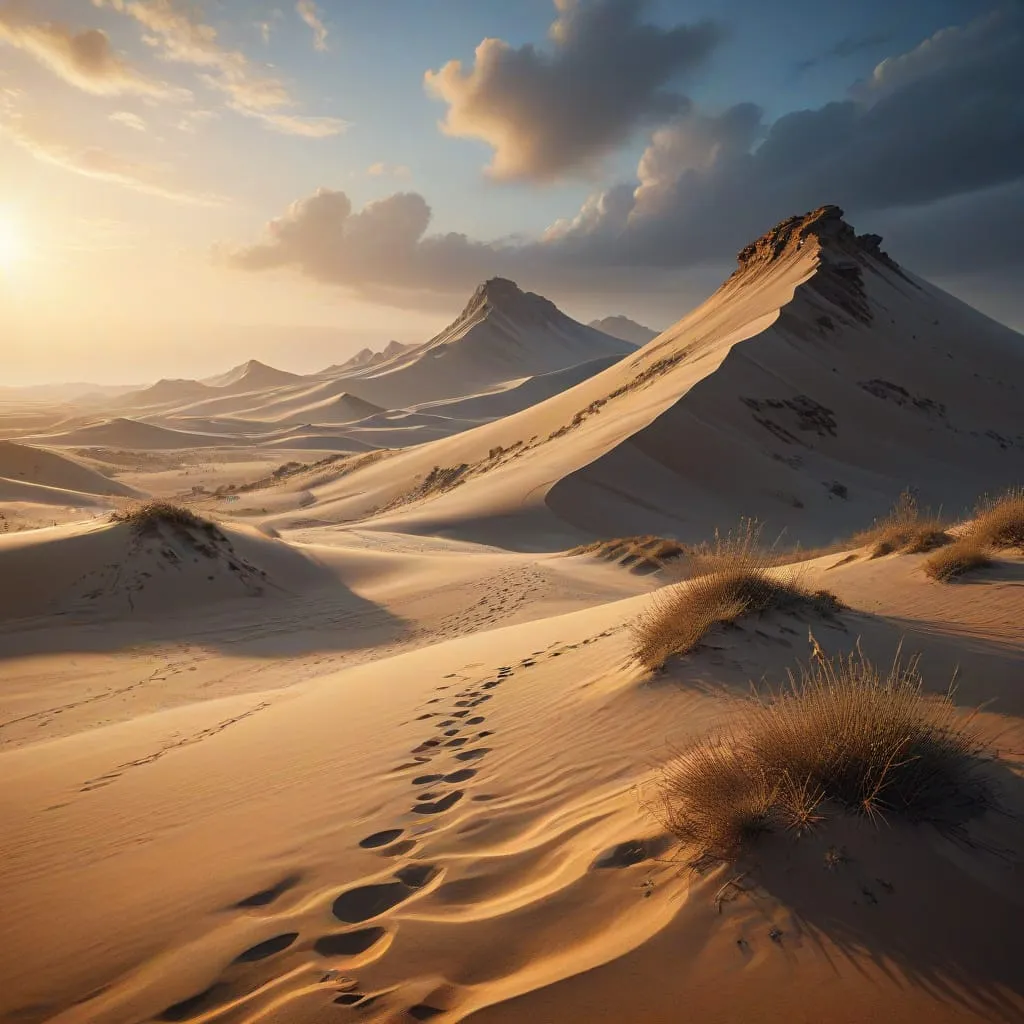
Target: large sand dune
{"type": "Point", "coordinates": [816, 384]}
{"type": "Point", "coordinates": [370, 745]}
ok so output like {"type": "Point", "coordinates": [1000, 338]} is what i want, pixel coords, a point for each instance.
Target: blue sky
{"type": "Point", "coordinates": [129, 167]}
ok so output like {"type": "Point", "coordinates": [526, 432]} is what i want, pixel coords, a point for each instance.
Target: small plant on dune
{"type": "Point", "coordinates": [648, 551]}
{"type": "Point", "coordinates": [149, 516]}
{"type": "Point", "coordinates": [957, 560]}
{"type": "Point", "coordinates": [730, 578]}
{"type": "Point", "coordinates": [906, 528]}
{"type": "Point", "coordinates": [999, 522]}
{"type": "Point", "coordinates": [840, 737]}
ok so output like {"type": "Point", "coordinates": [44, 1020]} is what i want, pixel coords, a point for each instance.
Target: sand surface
{"type": "Point", "coordinates": [367, 742]}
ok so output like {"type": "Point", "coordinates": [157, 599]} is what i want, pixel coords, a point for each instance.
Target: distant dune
{"type": "Point", "coordinates": [24, 464]}
{"type": "Point", "coordinates": [624, 328]}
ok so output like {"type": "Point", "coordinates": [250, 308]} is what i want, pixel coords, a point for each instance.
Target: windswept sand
{"type": "Point", "coordinates": [371, 745]}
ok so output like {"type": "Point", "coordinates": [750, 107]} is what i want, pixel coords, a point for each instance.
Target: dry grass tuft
{"type": "Point", "coordinates": [904, 529]}
{"type": "Point", "coordinates": [999, 522]}
{"type": "Point", "coordinates": [840, 736]}
{"type": "Point", "coordinates": [958, 559]}
{"type": "Point", "coordinates": [648, 552]}
{"type": "Point", "coordinates": [148, 516]}
{"type": "Point", "coordinates": [731, 578]}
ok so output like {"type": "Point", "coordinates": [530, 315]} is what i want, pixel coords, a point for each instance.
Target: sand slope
{"type": "Point", "coordinates": [814, 386]}
{"type": "Point", "coordinates": [24, 464]}
{"type": "Point", "coordinates": [502, 335]}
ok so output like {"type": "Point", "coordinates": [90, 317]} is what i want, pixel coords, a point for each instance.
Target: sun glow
{"type": "Point", "coordinates": [12, 249]}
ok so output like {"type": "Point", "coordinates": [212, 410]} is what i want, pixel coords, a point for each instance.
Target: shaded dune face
{"type": "Point", "coordinates": [385, 729]}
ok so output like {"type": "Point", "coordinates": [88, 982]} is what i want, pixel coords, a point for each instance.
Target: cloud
{"type": "Point", "coordinates": [129, 120]}
{"type": "Point", "coordinates": [96, 162]}
{"type": "Point", "coordinates": [550, 114]}
{"type": "Point", "coordinates": [311, 16]}
{"type": "Point", "coordinates": [194, 118]}
{"type": "Point", "coordinates": [183, 39]}
{"type": "Point", "coordinates": [848, 46]}
{"type": "Point", "coordinates": [84, 59]}
{"type": "Point", "coordinates": [931, 145]}
{"type": "Point", "coordinates": [385, 170]}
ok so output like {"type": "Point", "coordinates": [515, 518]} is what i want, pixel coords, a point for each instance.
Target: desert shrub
{"type": "Point", "coordinates": [730, 578]}
{"type": "Point", "coordinates": [648, 550]}
{"type": "Point", "coordinates": [999, 522]}
{"type": "Point", "coordinates": [906, 528]}
{"type": "Point", "coordinates": [840, 737]}
{"type": "Point", "coordinates": [957, 559]}
{"type": "Point", "coordinates": [148, 516]}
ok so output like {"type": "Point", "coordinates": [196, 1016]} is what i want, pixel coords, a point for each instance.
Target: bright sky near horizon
{"type": "Point", "coordinates": [185, 184]}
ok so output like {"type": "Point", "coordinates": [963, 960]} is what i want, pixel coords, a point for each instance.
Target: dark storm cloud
{"type": "Point", "coordinates": [549, 113]}
{"type": "Point", "coordinates": [848, 46]}
{"type": "Point", "coordinates": [932, 143]}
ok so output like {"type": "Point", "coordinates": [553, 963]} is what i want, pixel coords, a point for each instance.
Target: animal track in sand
{"type": "Point", "coordinates": [265, 949]}
{"type": "Point", "coordinates": [460, 775]}
{"type": "Point", "coordinates": [458, 741]}
{"type": "Point", "coordinates": [368, 901]}
{"type": "Point", "coordinates": [479, 720]}
{"type": "Point", "coordinates": [266, 896]}
{"type": "Point", "coordinates": [472, 755]}
{"type": "Point", "coordinates": [423, 780]}
{"type": "Point", "coordinates": [348, 943]}
{"type": "Point", "coordinates": [438, 806]}
{"type": "Point", "coordinates": [380, 838]}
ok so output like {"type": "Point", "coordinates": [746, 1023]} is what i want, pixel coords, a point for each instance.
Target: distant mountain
{"type": "Point", "coordinates": [367, 357]}
{"type": "Point", "coordinates": [166, 392]}
{"type": "Point", "coordinates": [819, 381]}
{"type": "Point", "coordinates": [503, 334]}
{"type": "Point", "coordinates": [625, 329]}
{"type": "Point", "coordinates": [252, 376]}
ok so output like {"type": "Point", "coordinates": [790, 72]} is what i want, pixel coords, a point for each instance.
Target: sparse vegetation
{"type": "Point", "coordinates": [148, 516]}
{"type": "Point", "coordinates": [730, 578]}
{"type": "Point", "coordinates": [906, 528]}
{"type": "Point", "coordinates": [841, 736]}
{"type": "Point", "coordinates": [646, 553]}
{"type": "Point", "coordinates": [957, 560]}
{"type": "Point", "coordinates": [999, 521]}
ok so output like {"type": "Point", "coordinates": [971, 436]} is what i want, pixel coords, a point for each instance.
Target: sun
{"type": "Point", "coordinates": [12, 249]}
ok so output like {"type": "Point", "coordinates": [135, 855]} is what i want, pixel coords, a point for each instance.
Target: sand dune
{"type": "Point", "coordinates": [502, 335]}
{"type": "Point", "coordinates": [379, 747]}
{"type": "Point", "coordinates": [252, 376]}
{"type": "Point", "coordinates": [624, 328]}
{"type": "Point", "coordinates": [25, 465]}
{"type": "Point", "coordinates": [816, 384]}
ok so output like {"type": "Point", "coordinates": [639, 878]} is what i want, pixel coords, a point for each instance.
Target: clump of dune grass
{"type": "Point", "coordinates": [841, 737]}
{"type": "Point", "coordinates": [648, 552]}
{"type": "Point", "coordinates": [999, 521]}
{"type": "Point", "coordinates": [149, 516]}
{"type": "Point", "coordinates": [906, 528]}
{"type": "Point", "coordinates": [957, 560]}
{"type": "Point", "coordinates": [730, 578]}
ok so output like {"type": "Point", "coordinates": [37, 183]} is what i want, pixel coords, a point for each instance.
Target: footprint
{"type": "Point", "coordinates": [438, 806]}
{"type": "Point", "coordinates": [194, 1005]}
{"type": "Point", "coordinates": [460, 714]}
{"type": "Point", "coordinates": [472, 755]}
{"type": "Point", "coordinates": [368, 901]}
{"type": "Point", "coordinates": [423, 780]}
{"type": "Point", "coordinates": [633, 851]}
{"type": "Point", "coordinates": [423, 1011]}
{"type": "Point", "coordinates": [265, 896]}
{"type": "Point", "coordinates": [491, 685]}
{"type": "Point", "coordinates": [483, 735]}
{"type": "Point", "coordinates": [380, 838]}
{"type": "Point", "coordinates": [348, 943]}
{"type": "Point", "coordinates": [458, 741]}
{"type": "Point", "coordinates": [262, 950]}
{"type": "Point", "coordinates": [479, 720]}
{"type": "Point", "coordinates": [461, 775]}
{"type": "Point", "coordinates": [451, 732]}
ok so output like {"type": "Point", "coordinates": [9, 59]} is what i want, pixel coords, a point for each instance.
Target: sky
{"type": "Point", "coordinates": [186, 184]}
